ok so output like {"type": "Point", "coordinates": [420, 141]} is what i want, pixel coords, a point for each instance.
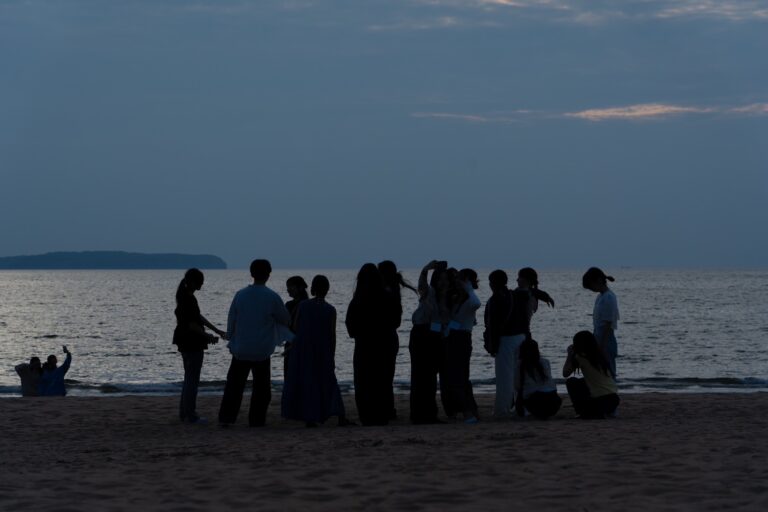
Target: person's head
{"type": "Point", "coordinates": [595, 280]}
{"type": "Point", "coordinates": [389, 275]}
{"type": "Point", "coordinates": [440, 280]}
{"type": "Point", "coordinates": [530, 358]}
{"type": "Point", "coordinates": [369, 282]}
{"type": "Point", "coordinates": [296, 287]}
{"type": "Point", "coordinates": [498, 280]}
{"type": "Point", "coordinates": [193, 281]}
{"type": "Point", "coordinates": [260, 271]}
{"type": "Point", "coordinates": [527, 278]}
{"type": "Point", "coordinates": [35, 365]}
{"type": "Point", "coordinates": [50, 363]}
{"type": "Point", "coordinates": [585, 345]}
{"type": "Point", "coordinates": [469, 276]}
{"type": "Point", "coordinates": [320, 286]}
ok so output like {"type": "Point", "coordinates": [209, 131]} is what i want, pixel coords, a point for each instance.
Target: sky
{"type": "Point", "coordinates": [507, 133]}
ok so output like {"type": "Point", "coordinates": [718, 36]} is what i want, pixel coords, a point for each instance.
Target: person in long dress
{"type": "Point", "coordinates": [311, 392]}
{"type": "Point", "coordinates": [371, 317]}
{"type": "Point", "coordinates": [393, 282]}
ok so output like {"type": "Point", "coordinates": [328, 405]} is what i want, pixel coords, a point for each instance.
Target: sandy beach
{"type": "Point", "coordinates": [664, 452]}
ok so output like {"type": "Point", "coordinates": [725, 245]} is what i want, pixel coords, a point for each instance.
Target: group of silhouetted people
{"type": "Point", "coordinates": [44, 379]}
{"type": "Point", "coordinates": [440, 347]}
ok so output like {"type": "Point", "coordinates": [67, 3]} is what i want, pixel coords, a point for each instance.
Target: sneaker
{"type": "Point", "coordinates": [472, 420]}
{"type": "Point", "coordinates": [199, 421]}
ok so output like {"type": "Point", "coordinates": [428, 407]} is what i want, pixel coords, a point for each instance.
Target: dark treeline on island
{"type": "Point", "coordinates": [110, 260]}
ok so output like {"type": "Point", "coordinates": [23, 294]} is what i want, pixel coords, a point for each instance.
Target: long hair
{"type": "Point", "coordinates": [392, 278]}
{"type": "Point", "coordinates": [370, 285]}
{"type": "Point", "coordinates": [530, 360]}
{"type": "Point", "coordinates": [585, 345]}
{"type": "Point", "coordinates": [192, 278]}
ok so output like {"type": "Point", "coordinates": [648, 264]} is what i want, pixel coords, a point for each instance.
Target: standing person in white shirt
{"type": "Point", "coordinates": [256, 318]}
{"type": "Point", "coordinates": [605, 316]}
{"type": "Point", "coordinates": [458, 348]}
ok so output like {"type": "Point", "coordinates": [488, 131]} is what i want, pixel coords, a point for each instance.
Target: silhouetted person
{"type": "Point", "coordinates": [191, 340]}
{"type": "Point", "coordinates": [311, 392]}
{"type": "Point", "coordinates": [535, 386]}
{"type": "Point", "coordinates": [454, 378]}
{"type": "Point", "coordinates": [596, 395]}
{"type": "Point", "coordinates": [257, 317]}
{"type": "Point", "coordinates": [605, 316]}
{"type": "Point", "coordinates": [507, 324]}
{"type": "Point", "coordinates": [393, 282]}
{"type": "Point", "coordinates": [296, 287]}
{"type": "Point", "coordinates": [426, 341]}
{"type": "Point", "coordinates": [30, 374]}
{"type": "Point", "coordinates": [52, 379]}
{"type": "Point", "coordinates": [371, 317]}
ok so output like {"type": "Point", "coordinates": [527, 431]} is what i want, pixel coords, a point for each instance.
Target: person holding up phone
{"type": "Point", "coordinates": [52, 379]}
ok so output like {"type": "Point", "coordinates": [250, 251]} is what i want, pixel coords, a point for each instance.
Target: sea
{"type": "Point", "coordinates": [680, 330]}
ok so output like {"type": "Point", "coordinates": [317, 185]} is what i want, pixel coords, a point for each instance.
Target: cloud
{"type": "Point", "coordinates": [641, 111]}
{"type": "Point", "coordinates": [593, 12]}
{"type": "Point", "coordinates": [471, 118]}
{"type": "Point", "coordinates": [427, 24]}
{"type": "Point", "coordinates": [636, 112]}
{"type": "Point", "coordinates": [755, 109]}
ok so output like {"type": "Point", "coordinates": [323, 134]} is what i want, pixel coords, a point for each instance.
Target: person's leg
{"type": "Point", "coordinates": [261, 395]}
{"type": "Point", "coordinates": [446, 371]}
{"type": "Point", "coordinates": [182, 406]}
{"type": "Point", "coordinates": [419, 373]}
{"type": "Point", "coordinates": [391, 367]}
{"type": "Point", "coordinates": [612, 349]}
{"type": "Point", "coordinates": [361, 378]}
{"type": "Point", "coordinates": [506, 363]}
{"type": "Point", "coordinates": [192, 378]}
{"type": "Point", "coordinates": [579, 393]}
{"type": "Point", "coordinates": [237, 376]}
{"type": "Point", "coordinates": [432, 357]}
{"type": "Point", "coordinates": [470, 405]}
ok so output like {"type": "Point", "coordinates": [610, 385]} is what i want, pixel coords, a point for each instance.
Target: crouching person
{"type": "Point", "coordinates": [596, 395]}
{"type": "Point", "coordinates": [537, 392]}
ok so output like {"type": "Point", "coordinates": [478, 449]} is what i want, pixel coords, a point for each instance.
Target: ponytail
{"type": "Point", "coordinates": [191, 276]}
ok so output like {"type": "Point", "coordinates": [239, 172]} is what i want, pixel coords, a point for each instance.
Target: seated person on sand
{"type": "Point", "coordinates": [52, 379]}
{"type": "Point", "coordinates": [537, 392]}
{"type": "Point", "coordinates": [595, 396]}
{"type": "Point", "coordinates": [30, 374]}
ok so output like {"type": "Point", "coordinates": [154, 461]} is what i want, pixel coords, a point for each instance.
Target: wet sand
{"type": "Point", "coordinates": [664, 452]}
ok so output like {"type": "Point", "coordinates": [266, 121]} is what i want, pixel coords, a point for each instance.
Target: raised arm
{"type": "Point", "coordinates": [544, 297]}
{"type": "Point", "coordinates": [423, 281]}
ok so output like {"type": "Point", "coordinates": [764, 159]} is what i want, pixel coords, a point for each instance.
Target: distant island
{"type": "Point", "coordinates": [110, 260]}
